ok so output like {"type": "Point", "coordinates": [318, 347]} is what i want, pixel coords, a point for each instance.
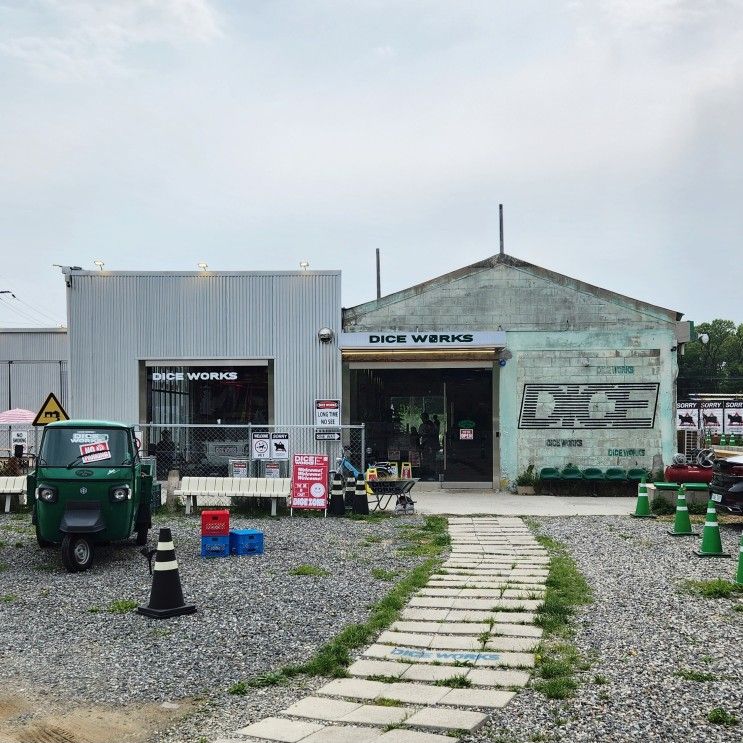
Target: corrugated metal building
{"type": "Point", "coordinates": [33, 363]}
{"type": "Point", "coordinates": [202, 347]}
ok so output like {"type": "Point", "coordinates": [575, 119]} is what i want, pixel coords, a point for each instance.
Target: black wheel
{"type": "Point", "coordinates": [77, 552]}
{"type": "Point", "coordinates": [41, 542]}
{"type": "Point", "coordinates": [142, 536]}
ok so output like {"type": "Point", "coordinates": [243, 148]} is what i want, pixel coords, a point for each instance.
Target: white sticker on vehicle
{"type": "Point", "coordinates": [88, 437]}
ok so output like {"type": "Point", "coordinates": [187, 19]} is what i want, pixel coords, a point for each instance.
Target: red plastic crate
{"type": "Point", "coordinates": [215, 523]}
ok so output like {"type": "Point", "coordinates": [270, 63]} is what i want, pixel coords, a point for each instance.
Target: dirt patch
{"type": "Point", "coordinates": [28, 718]}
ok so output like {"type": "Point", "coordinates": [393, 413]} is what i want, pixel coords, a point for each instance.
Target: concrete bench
{"type": "Point", "coordinates": [10, 486]}
{"type": "Point", "coordinates": [218, 488]}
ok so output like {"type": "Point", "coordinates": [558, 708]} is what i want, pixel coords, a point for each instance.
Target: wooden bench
{"type": "Point", "coordinates": [234, 487]}
{"type": "Point", "coordinates": [10, 486]}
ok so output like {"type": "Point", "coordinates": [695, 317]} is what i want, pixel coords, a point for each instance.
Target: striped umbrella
{"type": "Point", "coordinates": [17, 415]}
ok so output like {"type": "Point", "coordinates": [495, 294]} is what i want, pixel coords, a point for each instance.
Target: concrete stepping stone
{"type": "Point", "coordinates": [375, 714]}
{"type": "Point", "coordinates": [405, 638]}
{"type": "Point", "coordinates": [488, 677]}
{"type": "Point", "coordinates": [454, 642]}
{"type": "Point", "coordinates": [516, 630]}
{"type": "Point", "coordinates": [363, 668]}
{"type": "Point", "coordinates": [353, 688]}
{"type": "Point", "coordinates": [445, 628]}
{"type": "Point", "coordinates": [280, 729]}
{"type": "Point", "coordinates": [478, 698]}
{"type": "Point", "coordinates": [486, 658]}
{"type": "Point", "coordinates": [439, 718]}
{"type": "Point", "coordinates": [424, 672]}
{"type": "Point", "coordinates": [339, 734]}
{"type": "Point", "coordinates": [426, 615]}
{"type": "Point", "coordinates": [513, 644]}
{"type": "Point", "coordinates": [319, 708]}
{"type": "Point", "coordinates": [411, 693]}
{"type": "Point", "coordinates": [453, 592]}
{"type": "Point", "coordinates": [477, 615]}
{"type": "Point", "coordinates": [509, 617]}
{"type": "Point", "coordinates": [430, 602]}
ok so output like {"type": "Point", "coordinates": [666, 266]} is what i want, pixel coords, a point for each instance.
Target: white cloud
{"type": "Point", "coordinates": [93, 39]}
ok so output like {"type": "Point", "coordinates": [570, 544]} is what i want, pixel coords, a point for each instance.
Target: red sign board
{"type": "Point", "coordinates": [95, 452]}
{"type": "Point", "coordinates": [310, 481]}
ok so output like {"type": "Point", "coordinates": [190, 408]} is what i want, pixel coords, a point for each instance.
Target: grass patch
{"type": "Point", "coordinates": [455, 682]}
{"type": "Point", "coordinates": [600, 680]}
{"type": "Point", "coordinates": [122, 606]}
{"type": "Point", "coordinates": [384, 679]}
{"type": "Point", "coordinates": [719, 716]}
{"type": "Point", "coordinates": [8, 598]}
{"type": "Point", "coordinates": [558, 659]}
{"type": "Point", "coordinates": [313, 570]}
{"type": "Point", "coordinates": [333, 658]}
{"type": "Point", "coordinates": [712, 589]}
{"type": "Point", "coordinates": [689, 675]}
{"type": "Point", "coordinates": [428, 540]}
{"type": "Point", "coordinates": [386, 702]}
{"type": "Point", "coordinates": [239, 689]}
{"type": "Point", "coordinates": [381, 574]}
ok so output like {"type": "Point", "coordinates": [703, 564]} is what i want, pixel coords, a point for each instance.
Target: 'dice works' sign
{"type": "Point", "coordinates": [310, 481]}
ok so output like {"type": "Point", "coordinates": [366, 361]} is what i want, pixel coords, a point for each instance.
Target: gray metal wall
{"type": "Point", "coordinates": [118, 319]}
{"type": "Point", "coordinates": [38, 366]}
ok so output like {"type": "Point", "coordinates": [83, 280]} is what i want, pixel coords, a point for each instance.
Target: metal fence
{"type": "Point", "coordinates": [29, 437]}
{"type": "Point", "coordinates": [213, 451]}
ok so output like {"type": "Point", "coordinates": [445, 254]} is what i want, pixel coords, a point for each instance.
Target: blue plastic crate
{"type": "Point", "coordinates": [246, 542]}
{"type": "Point", "coordinates": [215, 546]}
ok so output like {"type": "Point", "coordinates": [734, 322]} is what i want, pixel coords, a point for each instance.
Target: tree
{"type": "Point", "coordinates": [716, 366]}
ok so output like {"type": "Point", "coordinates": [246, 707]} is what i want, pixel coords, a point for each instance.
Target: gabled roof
{"type": "Point", "coordinates": [507, 260]}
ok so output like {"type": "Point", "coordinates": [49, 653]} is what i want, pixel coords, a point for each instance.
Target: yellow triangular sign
{"type": "Point", "coordinates": [51, 412]}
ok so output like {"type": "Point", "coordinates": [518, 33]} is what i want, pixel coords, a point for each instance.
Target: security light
{"type": "Point", "coordinates": [304, 265]}
{"type": "Point", "coordinates": [202, 266]}
{"type": "Point", "coordinates": [99, 263]}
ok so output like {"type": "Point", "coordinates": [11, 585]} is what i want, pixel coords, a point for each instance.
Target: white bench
{"type": "Point", "coordinates": [234, 487]}
{"type": "Point", "coordinates": [10, 486]}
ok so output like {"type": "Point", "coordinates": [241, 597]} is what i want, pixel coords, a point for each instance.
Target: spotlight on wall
{"type": "Point", "coordinates": [304, 265]}
{"type": "Point", "coordinates": [202, 266]}
{"type": "Point", "coordinates": [100, 264]}
{"type": "Point", "coordinates": [325, 335]}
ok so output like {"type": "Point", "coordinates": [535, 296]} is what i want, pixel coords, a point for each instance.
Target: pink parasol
{"type": "Point", "coordinates": [17, 415]}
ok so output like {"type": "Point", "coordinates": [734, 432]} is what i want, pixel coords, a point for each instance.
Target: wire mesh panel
{"type": "Point", "coordinates": [13, 436]}
{"type": "Point", "coordinates": [208, 451]}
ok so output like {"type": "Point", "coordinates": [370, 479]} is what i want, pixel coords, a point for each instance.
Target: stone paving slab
{"type": "Point", "coordinates": [424, 672]}
{"type": "Point", "coordinates": [516, 630]}
{"type": "Point", "coordinates": [422, 655]}
{"type": "Point", "coordinates": [440, 718]}
{"type": "Point", "coordinates": [442, 628]}
{"type": "Point", "coordinates": [375, 714]}
{"type": "Point", "coordinates": [454, 642]}
{"type": "Point", "coordinates": [415, 693]}
{"type": "Point", "coordinates": [279, 729]}
{"type": "Point", "coordinates": [513, 644]}
{"type": "Point", "coordinates": [364, 667]}
{"type": "Point", "coordinates": [508, 617]}
{"type": "Point", "coordinates": [427, 615]}
{"type": "Point", "coordinates": [354, 688]}
{"type": "Point", "coordinates": [478, 698]}
{"type": "Point", "coordinates": [319, 708]}
{"type": "Point", "coordinates": [339, 734]}
{"type": "Point", "coordinates": [475, 615]}
{"type": "Point", "coordinates": [489, 677]}
{"type": "Point", "coordinates": [405, 638]}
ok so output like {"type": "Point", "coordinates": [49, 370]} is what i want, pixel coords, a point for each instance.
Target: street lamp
{"type": "Point", "coordinates": [99, 263]}
{"type": "Point", "coordinates": [202, 266]}
{"type": "Point", "coordinates": [304, 265]}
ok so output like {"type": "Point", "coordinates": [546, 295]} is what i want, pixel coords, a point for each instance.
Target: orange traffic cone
{"type": "Point", "coordinates": [166, 597]}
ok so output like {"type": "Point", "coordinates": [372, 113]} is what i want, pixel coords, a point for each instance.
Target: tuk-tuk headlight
{"type": "Point", "coordinates": [119, 493]}
{"type": "Point", "coordinates": [47, 493]}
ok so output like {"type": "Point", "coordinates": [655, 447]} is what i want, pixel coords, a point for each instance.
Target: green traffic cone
{"type": "Point", "coordinates": [723, 440]}
{"type": "Point", "coordinates": [711, 542]}
{"type": "Point", "coordinates": [739, 576]}
{"type": "Point", "coordinates": [642, 509]}
{"type": "Point", "coordinates": [682, 522]}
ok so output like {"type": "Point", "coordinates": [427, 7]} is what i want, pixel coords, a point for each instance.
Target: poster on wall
{"type": "Point", "coordinates": [712, 416]}
{"type": "Point", "coordinates": [687, 416]}
{"type": "Point", "coordinates": [310, 481]}
{"type": "Point", "coordinates": [733, 417]}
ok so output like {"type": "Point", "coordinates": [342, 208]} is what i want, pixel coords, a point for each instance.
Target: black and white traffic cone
{"type": "Point", "coordinates": [349, 493]}
{"type": "Point", "coordinates": [166, 597]}
{"type": "Point", "coordinates": [337, 506]}
{"type": "Point", "coordinates": [360, 501]}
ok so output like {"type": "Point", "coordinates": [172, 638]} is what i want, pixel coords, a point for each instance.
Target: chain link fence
{"type": "Point", "coordinates": [256, 450]}
{"type": "Point", "coordinates": [13, 436]}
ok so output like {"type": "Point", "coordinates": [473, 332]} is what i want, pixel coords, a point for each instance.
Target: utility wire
{"type": "Point", "coordinates": [20, 312]}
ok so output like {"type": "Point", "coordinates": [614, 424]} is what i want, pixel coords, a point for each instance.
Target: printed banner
{"type": "Point", "coordinates": [310, 481]}
{"type": "Point", "coordinates": [712, 416]}
{"type": "Point", "coordinates": [734, 417]}
{"type": "Point", "coordinates": [687, 416]}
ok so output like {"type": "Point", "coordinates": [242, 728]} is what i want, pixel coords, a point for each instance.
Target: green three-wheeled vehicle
{"type": "Point", "coordinates": [89, 487]}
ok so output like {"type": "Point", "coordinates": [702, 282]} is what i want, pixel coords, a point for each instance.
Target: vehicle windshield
{"type": "Point", "coordinates": [85, 447]}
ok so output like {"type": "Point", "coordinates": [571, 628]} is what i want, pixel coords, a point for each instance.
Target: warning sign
{"type": "Point", "coordinates": [260, 445]}
{"type": "Point", "coordinates": [51, 412]}
{"type": "Point", "coordinates": [279, 446]}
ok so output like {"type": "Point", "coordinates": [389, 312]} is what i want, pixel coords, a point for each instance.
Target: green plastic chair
{"type": "Point", "coordinates": [635, 474]}
{"type": "Point", "coordinates": [571, 473]}
{"type": "Point", "coordinates": [549, 473]}
{"type": "Point", "coordinates": [616, 474]}
{"type": "Point", "coordinates": [593, 473]}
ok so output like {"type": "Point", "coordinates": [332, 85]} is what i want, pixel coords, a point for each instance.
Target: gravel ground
{"type": "Point", "coordinates": [641, 628]}
{"type": "Point", "coordinates": [58, 635]}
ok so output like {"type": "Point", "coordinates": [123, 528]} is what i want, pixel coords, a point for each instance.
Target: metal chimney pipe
{"type": "Point", "coordinates": [500, 211]}
{"type": "Point", "coordinates": [379, 278]}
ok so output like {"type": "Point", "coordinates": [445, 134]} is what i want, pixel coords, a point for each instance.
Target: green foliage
{"type": "Point", "coordinates": [122, 606]}
{"type": "Point", "coordinates": [720, 717]}
{"type": "Point", "coordinates": [455, 682]}
{"type": "Point", "coordinates": [600, 680]}
{"type": "Point", "coordinates": [713, 589]}
{"type": "Point", "coordinates": [385, 702]}
{"type": "Point", "coordinates": [661, 507]}
{"type": "Point", "coordinates": [8, 598]}
{"type": "Point", "coordinates": [381, 574]}
{"type": "Point", "coordinates": [313, 570]}
{"type": "Point", "coordinates": [716, 366]}
{"type": "Point", "coordinates": [689, 675]}
{"type": "Point", "coordinates": [527, 477]}
{"type": "Point", "coordinates": [240, 689]}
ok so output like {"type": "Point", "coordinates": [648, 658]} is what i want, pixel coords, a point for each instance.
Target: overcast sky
{"type": "Point", "coordinates": [252, 134]}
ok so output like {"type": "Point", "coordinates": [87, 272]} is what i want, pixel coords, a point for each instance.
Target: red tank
{"type": "Point", "coordinates": [686, 473]}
